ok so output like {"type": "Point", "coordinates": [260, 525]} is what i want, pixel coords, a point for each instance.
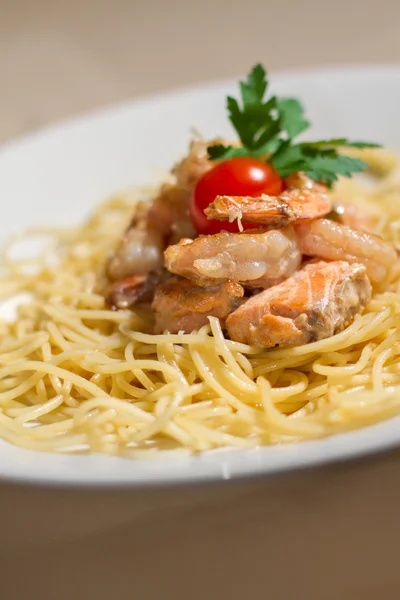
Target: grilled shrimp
{"type": "Point", "coordinates": [303, 200]}
{"type": "Point", "coordinates": [180, 305]}
{"type": "Point", "coordinates": [125, 293]}
{"type": "Point", "coordinates": [331, 241]}
{"type": "Point", "coordinates": [348, 214]}
{"type": "Point", "coordinates": [194, 165]}
{"type": "Point", "coordinates": [320, 300]}
{"type": "Point", "coordinates": [140, 250]}
{"type": "Point", "coordinates": [165, 221]}
{"type": "Point", "coordinates": [256, 260]}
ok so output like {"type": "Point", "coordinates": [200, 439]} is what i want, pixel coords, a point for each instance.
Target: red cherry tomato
{"type": "Point", "coordinates": [241, 176]}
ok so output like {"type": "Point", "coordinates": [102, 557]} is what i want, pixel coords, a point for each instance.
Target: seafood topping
{"type": "Point", "coordinates": [241, 176]}
{"type": "Point", "coordinates": [235, 223]}
{"type": "Point", "coordinates": [127, 292]}
{"type": "Point", "coordinates": [164, 221]}
{"type": "Point", "coordinates": [180, 305]}
{"type": "Point", "coordinates": [189, 170]}
{"type": "Point", "coordinates": [302, 201]}
{"type": "Point", "coordinates": [315, 303]}
{"type": "Point", "coordinates": [347, 214]}
{"type": "Point", "coordinates": [253, 259]}
{"type": "Point", "coordinates": [328, 240]}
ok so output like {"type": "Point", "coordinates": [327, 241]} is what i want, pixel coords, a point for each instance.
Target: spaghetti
{"type": "Point", "coordinates": [77, 377]}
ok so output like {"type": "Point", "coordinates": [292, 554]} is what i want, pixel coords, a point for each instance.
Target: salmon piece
{"type": "Point", "coordinates": [256, 260]}
{"type": "Point", "coordinates": [328, 240]}
{"type": "Point", "coordinates": [320, 300]}
{"type": "Point", "coordinates": [179, 305]}
{"type": "Point", "coordinates": [303, 200]}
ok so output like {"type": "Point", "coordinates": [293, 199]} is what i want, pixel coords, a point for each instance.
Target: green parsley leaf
{"type": "Point", "coordinates": [291, 115]}
{"type": "Point", "coordinates": [361, 145]}
{"type": "Point", "coordinates": [254, 88]}
{"type": "Point", "coordinates": [220, 152]}
{"type": "Point", "coordinates": [287, 159]}
{"type": "Point", "coordinates": [256, 121]}
{"type": "Point", "coordinates": [335, 142]}
{"type": "Point", "coordinates": [328, 168]}
{"type": "Point", "coordinates": [320, 165]}
{"type": "Point", "coordinates": [267, 128]}
{"type": "Point", "coordinates": [238, 120]}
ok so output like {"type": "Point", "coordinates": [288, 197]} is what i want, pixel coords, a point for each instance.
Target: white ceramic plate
{"type": "Point", "coordinates": [57, 176]}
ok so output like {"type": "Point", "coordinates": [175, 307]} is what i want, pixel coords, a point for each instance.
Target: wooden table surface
{"type": "Point", "coordinates": [324, 534]}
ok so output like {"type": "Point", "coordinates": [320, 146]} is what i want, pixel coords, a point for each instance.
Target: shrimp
{"type": "Point", "coordinates": [180, 305]}
{"type": "Point", "coordinates": [255, 260]}
{"type": "Point", "coordinates": [165, 221]}
{"type": "Point", "coordinates": [125, 293]}
{"type": "Point", "coordinates": [140, 250]}
{"type": "Point", "coordinates": [320, 300]}
{"type": "Point", "coordinates": [328, 240]}
{"type": "Point", "coordinates": [189, 170]}
{"type": "Point", "coordinates": [303, 200]}
{"type": "Point", "coordinates": [348, 214]}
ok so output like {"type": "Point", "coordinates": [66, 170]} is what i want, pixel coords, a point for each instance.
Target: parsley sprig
{"type": "Point", "coordinates": [267, 128]}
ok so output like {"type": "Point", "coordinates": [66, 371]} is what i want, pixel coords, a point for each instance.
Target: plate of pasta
{"type": "Point", "coordinates": [204, 284]}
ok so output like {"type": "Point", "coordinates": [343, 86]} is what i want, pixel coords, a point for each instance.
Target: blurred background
{"type": "Point", "coordinates": [59, 59]}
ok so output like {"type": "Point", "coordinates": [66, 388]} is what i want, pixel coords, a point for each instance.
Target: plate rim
{"type": "Point", "coordinates": [80, 118]}
{"type": "Point", "coordinates": [379, 445]}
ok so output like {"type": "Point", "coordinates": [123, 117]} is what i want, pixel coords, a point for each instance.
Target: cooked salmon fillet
{"type": "Point", "coordinates": [180, 305]}
{"type": "Point", "coordinates": [315, 303]}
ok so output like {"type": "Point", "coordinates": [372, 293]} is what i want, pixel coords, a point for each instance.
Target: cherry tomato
{"type": "Point", "coordinates": [241, 176]}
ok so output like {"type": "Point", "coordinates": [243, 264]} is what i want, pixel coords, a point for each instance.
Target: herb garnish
{"type": "Point", "coordinates": [267, 127]}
